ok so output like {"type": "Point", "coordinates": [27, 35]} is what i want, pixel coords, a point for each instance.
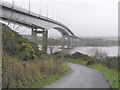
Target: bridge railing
{"type": "Point", "coordinates": [28, 12]}
{"type": "Point", "coordinates": [23, 10]}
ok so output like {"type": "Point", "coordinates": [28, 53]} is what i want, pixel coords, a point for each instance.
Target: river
{"type": "Point", "coordinates": [110, 51]}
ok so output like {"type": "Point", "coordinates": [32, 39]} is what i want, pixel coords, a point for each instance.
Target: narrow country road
{"type": "Point", "coordinates": [81, 77]}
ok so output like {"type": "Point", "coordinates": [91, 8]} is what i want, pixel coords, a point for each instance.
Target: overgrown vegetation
{"type": "Point", "coordinates": [24, 66]}
{"type": "Point", "coordinates": [15, 45]}
{"type": "Point", "coordinates": [31, 74]}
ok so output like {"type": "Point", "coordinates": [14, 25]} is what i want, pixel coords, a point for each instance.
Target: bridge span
{"type": "Point", "coordinates": [15, 14]}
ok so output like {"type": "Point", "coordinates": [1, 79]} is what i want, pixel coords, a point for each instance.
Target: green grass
{"type": "Point", "coordinates": [50, 80]}
{"type": "Point", "coordinates": [77, 62]}
{"type": "Point", "coordinates": [110, 75]}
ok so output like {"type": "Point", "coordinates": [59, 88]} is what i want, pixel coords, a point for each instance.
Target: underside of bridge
{"type": "Point", "coordinates": [24, 17]}
{"type": "Point", "coordinates": [67, 40]}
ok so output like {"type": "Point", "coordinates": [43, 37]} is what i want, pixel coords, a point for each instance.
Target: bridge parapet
{"type": "Point", "coordinates": [36, 21]}
{"type": "Point", "coordinates": [32, 14]}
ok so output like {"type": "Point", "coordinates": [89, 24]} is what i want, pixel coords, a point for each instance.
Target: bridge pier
{"type": "Point", "coordinates": [34, 35]}
{"type": "Point", "coordinates": [77, 41]}
{"type": "Point", "coordinates": [44, 37]}
{"type": "Point", "coordinates": [68, 42]}
{"type": "Point", "coordinates": [44, 41]}
{"type": "Point", "coordinates": [72, 41]}
{"type": "Point", "coordinates": [63, 41]}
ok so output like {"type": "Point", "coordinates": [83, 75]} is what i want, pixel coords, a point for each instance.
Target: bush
{"type": "Point", "coordinates": [27, 52]}
{"type": "Point", "coordinates": [58, 56]}
{"type": "Point", "coordinates": [91, 61]}
{"type": "Point", "coordinates": [111, 62]}
{"type": "Point", "coordinates": [68, 56]}
{"type": "Point", "coordinates": [17, 46]}
{"type": "Point", "coordinates": [78, 55]}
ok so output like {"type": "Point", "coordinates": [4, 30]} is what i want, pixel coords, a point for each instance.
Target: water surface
{"type": "Point", "coordinates": [110, 51]}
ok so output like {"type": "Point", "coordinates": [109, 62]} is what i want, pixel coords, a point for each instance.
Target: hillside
{"type": "Point", "coordinates": [24, 66]}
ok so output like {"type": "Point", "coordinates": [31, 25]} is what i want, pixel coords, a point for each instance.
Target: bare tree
{"type": "Point", "coordinates": [11, 12]}
{"type": "Point", "coordinates": [16, 17]}
{"type": "Point", "coordinates": [51, 48]}
{"type": "Point", "coordinates": [52, 43]}
{"type": "Point", "coordinates": [97, 53]}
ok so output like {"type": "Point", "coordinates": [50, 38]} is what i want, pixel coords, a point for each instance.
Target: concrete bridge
{"type": "Point", "coordinates": [38, 24]}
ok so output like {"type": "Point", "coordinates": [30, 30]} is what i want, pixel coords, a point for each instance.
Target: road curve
{"type": "Point", "coordinates": [81, 77]}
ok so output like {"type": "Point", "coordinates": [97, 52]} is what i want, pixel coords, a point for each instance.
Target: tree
{"type": "Point", "coordinates": [15, 17]}
{"type": "Point", "coordinates": [52, 43]}
{"type": "Point", "coordinates": [97, 54]}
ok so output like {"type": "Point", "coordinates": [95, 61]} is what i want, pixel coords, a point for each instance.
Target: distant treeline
{"type": "Point", "coordinates": [83, 41]}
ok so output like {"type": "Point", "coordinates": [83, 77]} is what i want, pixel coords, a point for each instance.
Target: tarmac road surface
{"type": "Point", "coordinates": [81, 77]}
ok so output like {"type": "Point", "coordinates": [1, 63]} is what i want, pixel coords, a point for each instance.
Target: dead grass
{"type": "Point", "coordinates": [16, 74]}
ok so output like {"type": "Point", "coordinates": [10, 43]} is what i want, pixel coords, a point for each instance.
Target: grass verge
{"type": "Point", "coordinates": [50, 80]}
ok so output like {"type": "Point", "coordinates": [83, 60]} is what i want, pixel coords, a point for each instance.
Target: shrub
{"type": "Point", "coordinates": [55, 53]}
{"type": "Point", "coordinates": [111, 62]}
{"type": "Point", "coordinates": [78, 55]}
{"type": "Point", "coordinates": [27, 52]}
{"type": "Point", "coordinates": [68, 56]}
{"type": "Point", "coordinates": [17, 46]}
{"type": "Point", "coordinates": [91, 61]}
{"type": "Point", "coordinates": [58, 56]}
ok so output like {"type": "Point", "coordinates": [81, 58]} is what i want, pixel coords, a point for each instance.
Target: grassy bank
{"type": "Point", "coordinates": [110, 75]}
{"type": "Point", "coordinates": [50, 80]}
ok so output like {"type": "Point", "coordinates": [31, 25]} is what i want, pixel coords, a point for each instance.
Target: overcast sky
{"type": "Point", "coordinates": [84, 17]}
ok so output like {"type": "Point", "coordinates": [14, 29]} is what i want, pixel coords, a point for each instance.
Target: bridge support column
{"type": "Point", "coordinates": [34, 35]}
{"type": "Point", "coordinates": [44, 38]}
{"type": "Point", "coordinates": [79, 42]}
{"type": "Point", "coordinates": [63, 42]}
{"type": "Point", "coordinates": [44, 41]}
{"type": "Point", "coordinates": [76, 42]}
{"type": "Point", "coordinates": [73, 42]}
{"type": "Point", "coordinates": [68, 42]}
